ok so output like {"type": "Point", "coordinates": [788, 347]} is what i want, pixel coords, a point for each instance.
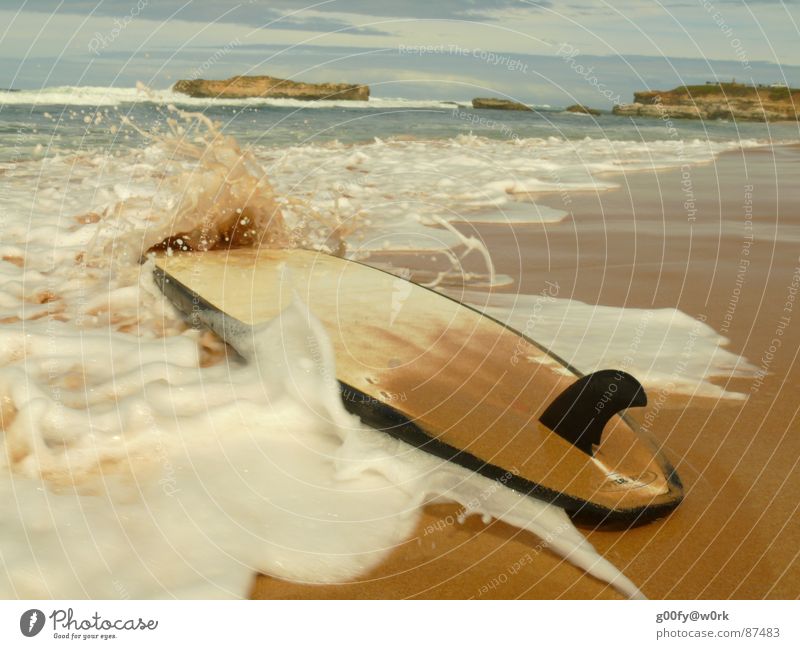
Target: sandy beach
{"type": "Point", "coordinates": [721, 243]}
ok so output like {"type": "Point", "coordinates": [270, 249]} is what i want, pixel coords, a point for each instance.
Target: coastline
{"type": "Point", "coordinates": [635, 247]}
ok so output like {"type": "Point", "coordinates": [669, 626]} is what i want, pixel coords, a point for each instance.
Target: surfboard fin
{"type": "Point", "coordinates": [580, 413]}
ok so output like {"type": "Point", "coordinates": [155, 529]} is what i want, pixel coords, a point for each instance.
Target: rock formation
{"type": "Point", "coordinates": [247, 87]}
{"type": "Point", "coordinates": [580, 108]}
{"type": "Point", "coordinates": [498, 104]}
{"type": "Point", "coordinates": [732, 101]}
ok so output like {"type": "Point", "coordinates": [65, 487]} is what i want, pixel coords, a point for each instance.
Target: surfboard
{"type": "Point", "coordinates": [443, 377]}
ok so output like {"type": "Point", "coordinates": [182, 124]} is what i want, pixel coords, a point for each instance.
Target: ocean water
{"type": "Point", "coordinates": [129, 435]}
{"type": "Point", "coordinates": [63, 119]}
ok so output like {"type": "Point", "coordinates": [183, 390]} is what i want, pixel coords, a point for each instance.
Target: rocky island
{"type": "Point", "coordinates": [498, 104]}
{"type": "Point", "coordinates": [244, 87]}
{"type": "Point", "coordinates": [734, 101]}
{"type": "Point", "coordinates": [582, 110]}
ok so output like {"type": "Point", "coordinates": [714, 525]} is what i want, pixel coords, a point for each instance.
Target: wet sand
{"type": "Point", "coordinates": [737, 533]}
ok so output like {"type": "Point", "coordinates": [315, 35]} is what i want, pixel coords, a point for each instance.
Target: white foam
{"type": "Point", "coordinates": [115, 96]}
{"type": "Point", "coordinates": [666, 349]}
{"type": "Point", "coordinates": [171, 480]}
{"type": "Point", "coordinates": [380, 194]}
{"type": "Point", "coordinates": [392, 185]}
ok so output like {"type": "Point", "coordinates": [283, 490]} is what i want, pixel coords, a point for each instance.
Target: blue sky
{"type": "Point", "coordinates": [593, 51]}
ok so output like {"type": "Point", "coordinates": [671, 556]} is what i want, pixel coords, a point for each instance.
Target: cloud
{"type": "Point", "coordinates": [374, 36]}
{"type": "Point", "coordinates": [455, 9]}
{"type": "Point", "coordinates": [257, 12]}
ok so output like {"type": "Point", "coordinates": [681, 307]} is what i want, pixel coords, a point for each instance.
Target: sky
{"type": "Point", "coordinates": [551, 52]}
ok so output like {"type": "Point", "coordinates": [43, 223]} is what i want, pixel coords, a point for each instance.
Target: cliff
{"type": "Point", "coordinates": [246, 87]}
{"type": "Point", "coordinates": [498, 104]}
{"type": "Point", "coordinates": [733, 101]}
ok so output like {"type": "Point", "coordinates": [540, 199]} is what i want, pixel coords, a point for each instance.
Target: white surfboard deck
{"type": "Point", "coordinates": [460, 378]}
